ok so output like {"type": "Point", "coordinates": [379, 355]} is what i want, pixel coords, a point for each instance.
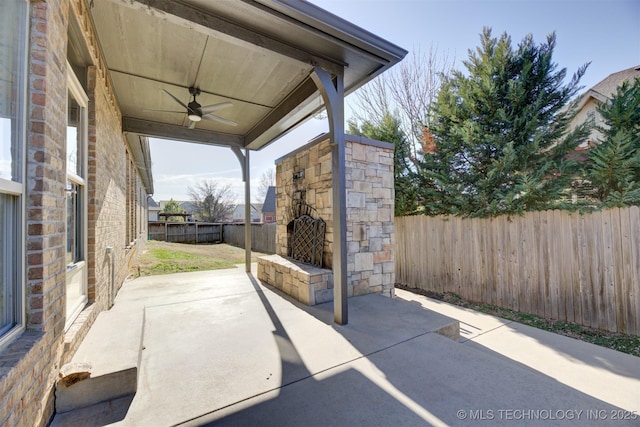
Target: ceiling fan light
{"type": "Point", "coordinates": [194, 117]}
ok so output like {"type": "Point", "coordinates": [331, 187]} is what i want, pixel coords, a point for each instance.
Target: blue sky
{"type": "Point", "coordinates": [603, 32]}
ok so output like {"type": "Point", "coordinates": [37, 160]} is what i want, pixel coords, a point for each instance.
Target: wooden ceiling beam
{"type": "Point", "coordinates": [287, 107]}
{"type": "Point", "coordinates": [181, 133]}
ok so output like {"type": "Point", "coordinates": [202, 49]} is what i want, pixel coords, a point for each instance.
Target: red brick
{"type": "Point", "coordinates": [38, 99]}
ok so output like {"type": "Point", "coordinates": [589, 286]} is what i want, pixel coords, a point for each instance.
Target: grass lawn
{"type": "Point", "coordinates": [165, 258]}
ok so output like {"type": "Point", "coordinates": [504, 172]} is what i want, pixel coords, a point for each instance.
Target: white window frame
{"type": "Point", "coordinates": [14, 280]}
{"type": "Point", "coordinates": [80, 268]}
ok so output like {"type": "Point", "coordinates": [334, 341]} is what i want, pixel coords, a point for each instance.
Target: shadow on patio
{"type": "Point", "coordinates": [218, 348]}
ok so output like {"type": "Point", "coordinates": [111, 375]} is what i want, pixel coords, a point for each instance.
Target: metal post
{"type": "Point", "coordinates": [333, 96]}
{"type": "Point", "coordinates": [247, 213]}
{"type": "Point", "coordinates": [244, 164]}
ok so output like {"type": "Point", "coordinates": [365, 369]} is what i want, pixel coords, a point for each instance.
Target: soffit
{"type": "Point", "coordinates": [258, 55]}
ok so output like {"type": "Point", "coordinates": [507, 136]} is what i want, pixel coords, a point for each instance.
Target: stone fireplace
{"type": "Point", "coordinates": [303, 261]}
{"type": "Point", "coordinates": [305, 232]}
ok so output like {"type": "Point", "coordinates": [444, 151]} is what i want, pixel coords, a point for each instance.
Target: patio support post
{"type": "Point", "coordinates": [244, 164]}
{"type": "Point", "coordinates": [247, 213]}
{"type": "Point", "coordinates": [332, 91]}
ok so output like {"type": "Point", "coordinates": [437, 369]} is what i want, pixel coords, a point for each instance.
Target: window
{"type": "Point", "coordinates": [13, 27]}
{"type": "Point", "coordinates": [76, 247]}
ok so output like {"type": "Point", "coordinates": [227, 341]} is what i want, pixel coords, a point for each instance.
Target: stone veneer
{"type": "Point", "coordinates": [307, 284]}
{"type": "Point", "coordinates": [369, 203]}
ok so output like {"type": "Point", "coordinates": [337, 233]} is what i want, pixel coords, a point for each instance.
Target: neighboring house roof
{"type": "Point", "coordinates": [256, 208]}
{"type": "Point", "coordinates": [152, 204]}
{"type": "Point", "coordinates": [603, 90]}
{"type": "Point", "coordinates": [188, 207]}
{"type": "Point", "coordinates": [587, 107]}
{"type": "Point", "coordinates": [269, 204]}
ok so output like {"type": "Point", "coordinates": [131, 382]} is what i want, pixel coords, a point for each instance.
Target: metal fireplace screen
{"type": "Point", "coordinates": [307, 240]}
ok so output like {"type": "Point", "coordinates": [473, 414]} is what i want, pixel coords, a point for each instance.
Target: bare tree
{"type": "Point", "coordinates": [267, 180]}
{"type": "Point", "coordinates": [212, 203]}
{"type": "Point", "coordinates": [406, 91]}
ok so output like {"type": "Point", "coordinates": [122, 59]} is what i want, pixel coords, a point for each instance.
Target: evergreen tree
{"type": "Point", "coordinates": [613, 166]}
{"type": "Point", "coordinates": [173, 207]}
{"type": "Point", "coordinates": [389, 130]}
{"type": "Point", "coordinates": [500, 132]}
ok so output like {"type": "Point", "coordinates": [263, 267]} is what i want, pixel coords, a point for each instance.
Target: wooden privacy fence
{"type": "Point", "coordinates": [579, 268]}
{"type": "Point", "coordinates": [185, 232]}
{"type": "Point", "coordinates": [263, 236]}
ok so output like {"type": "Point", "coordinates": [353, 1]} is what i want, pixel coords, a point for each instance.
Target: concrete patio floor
{"type": "Point", "coordinates": [219, 348]}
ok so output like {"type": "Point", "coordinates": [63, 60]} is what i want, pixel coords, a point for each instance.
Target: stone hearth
{"type": "Point", "coordinates": [307, 284]}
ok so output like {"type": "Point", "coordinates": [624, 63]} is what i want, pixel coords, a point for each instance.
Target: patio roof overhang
{"type": "Point", "coordinates": [259, 55]}
{"type": "Point", "coordinates": [277, 62]}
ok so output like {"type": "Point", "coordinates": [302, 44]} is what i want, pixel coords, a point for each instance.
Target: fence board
{"type": "Point", "coordinates": [555, 246]}
{"type": "Point", "coordinates": [481, 262]}
{"type": "Point", "coordinates": [616, 313]}
{"type": "Point", "coordinates": [626, 292]}
{"type": "Point", "coordinates": [437, 231]}
{"type": "Point", "coordinates": [634, 232]}
{"type": "Point", "coordinates": [608, 295]}
{"type": "Point", "coordinates": [263, 236]}
{"type": "Point", "coordinates": [499, 260]}
{"type": "Point", "coordinates": [566, 276]}
{"type": "Point", "coordinates": [586, 288]}
{"type": "Point", "coordinates": [530, 262]}
{"type": "Point", "coordinates": [597, 270]}
{"type": "Point", "coordinates": [185, 232]}
{"type": "Point", "coordinates": [575, 269]}
{"type": "Point", "coordinates": [580, 268]}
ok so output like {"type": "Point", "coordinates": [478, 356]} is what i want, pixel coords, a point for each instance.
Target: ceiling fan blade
{"type": "Point", "coordinates": [161, 111]}
{"type": "Point", "coordinates": [192, 124]}
{"type": "Point", "coordinates": [215, 107]}
{"type": "Point", "coordinates": [176, 99]}
{"type": "Point", "coordinates": [219, 120]}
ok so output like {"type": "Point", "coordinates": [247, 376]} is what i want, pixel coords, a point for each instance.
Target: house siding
{"type": "Point", "coordinates": [29, 365]}
{"type": "Point", "coordinates": [588, 111]}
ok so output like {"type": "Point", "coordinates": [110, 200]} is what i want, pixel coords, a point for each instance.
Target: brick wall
{"type": "Point", "coordinates": [369, 197]}
{"type": "Point", "coordinates": [29, 365]}
{"type": "Point", "coordinates": [107, 207]}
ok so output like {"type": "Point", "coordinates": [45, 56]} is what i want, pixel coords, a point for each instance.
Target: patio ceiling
{"type": "Point", "coordinates": [257, 54]}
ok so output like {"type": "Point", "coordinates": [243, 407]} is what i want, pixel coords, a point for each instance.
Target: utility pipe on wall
{"type": "Point", "coordinates": [112, 257]}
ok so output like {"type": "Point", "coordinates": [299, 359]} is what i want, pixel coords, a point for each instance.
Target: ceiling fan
{"type": "Point", "coordinates": [196, 112]}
